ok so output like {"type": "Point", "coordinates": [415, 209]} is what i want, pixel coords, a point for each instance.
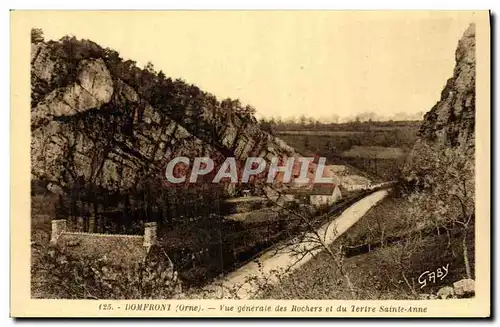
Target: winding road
{"type": "Point", "coordinates": [236, 285]}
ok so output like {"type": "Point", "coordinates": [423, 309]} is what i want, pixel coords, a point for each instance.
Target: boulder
{"type": "Point", "coordinates": [464, 287]}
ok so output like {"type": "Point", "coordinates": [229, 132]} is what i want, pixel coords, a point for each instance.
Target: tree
{"type": "Point", "coordinates": [306, 142]}
{"type": "Point", "coordinates": [150, 67]}
{"type": "Point", "coordinates": [229, 108]}
{"type": "Point", "coordinates": [302, 120]}
{"type": "Point", "coordinates": [161, 76]}
{"type": "Point", "coordinates": [312, 240]}
{"type": "Point", "coordinates": [266, 125]}
{"type": "Point", "coordinates": [307, 238]}
{"type": "Point", "coordinates": [442, 181]}
{"type": "Point", "coordinates": [311, 121]}
{"type": "Point", "coordinates": [247, 113]}
{"type": "Point", "coordinates": [36, 35]}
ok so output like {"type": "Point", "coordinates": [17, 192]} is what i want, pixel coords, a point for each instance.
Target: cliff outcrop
{"type": "Point", "coordinates": [99, 120]}
{"type": "Point", "coordinates": [451, 121]}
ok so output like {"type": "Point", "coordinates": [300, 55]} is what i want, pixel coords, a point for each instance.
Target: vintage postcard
{"type": "Point", "coordinates": [250, 164]}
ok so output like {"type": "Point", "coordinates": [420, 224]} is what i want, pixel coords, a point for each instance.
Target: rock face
{"type": "Point", "coordinates": [92, 88]}
{"type": "Point", "coordinates": [451, 121]}
{"type": "Point", "coordinates": [93, 124]}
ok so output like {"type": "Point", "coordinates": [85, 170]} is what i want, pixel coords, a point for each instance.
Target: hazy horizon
{"type": "Point", "coordinates": [287, 64]}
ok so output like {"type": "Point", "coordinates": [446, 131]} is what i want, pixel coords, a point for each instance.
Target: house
{"type": "Point", "coordinates": [317, 194]}
{"type": "Point", "coordinates": [119, 249]}
{"type": "Point", "coordinates": [324, 194]}
{"type": "Point", "coordinates": [354, 183]}
{"type": "Point", "coordinates": [356, 187]}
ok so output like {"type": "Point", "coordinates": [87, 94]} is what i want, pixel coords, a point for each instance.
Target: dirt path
{"type": "Point", "coordinates": [236, 285]}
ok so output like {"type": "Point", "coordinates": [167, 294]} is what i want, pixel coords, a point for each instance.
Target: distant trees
{"type": "Point", "coordinates": [360, 122]}
{"type": "Point", "coordinates": [266, 125]}
{"type": "Point", "coordinates": [335, 118]}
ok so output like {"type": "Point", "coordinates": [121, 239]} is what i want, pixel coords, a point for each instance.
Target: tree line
{"type": "Point", "coordinates": [276, 124]}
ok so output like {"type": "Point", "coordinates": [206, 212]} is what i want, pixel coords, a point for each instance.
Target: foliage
{"type": "Point", "coordinates": [442, 190]}
{"type": "Point", "coordinates": [36, 35]}
{"type": "Point", "coordinates": [62, 275]}
{"type": "Point", "coordinates": [442, 180]}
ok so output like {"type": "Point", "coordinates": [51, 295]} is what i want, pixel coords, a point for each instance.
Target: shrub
{"type": "Point", "coordinates": [63, 275]}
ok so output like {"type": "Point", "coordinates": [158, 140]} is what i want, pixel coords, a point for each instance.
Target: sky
{"type": "Point", "coordinates": [286, 64]}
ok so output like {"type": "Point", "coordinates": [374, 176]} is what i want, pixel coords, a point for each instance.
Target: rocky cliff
{"type": "Point", "coordinates": [446, 142]}
{"type": "Point", "coordinates": [101, 121]}
{"type": "Point", "coordinates": [451, 121]}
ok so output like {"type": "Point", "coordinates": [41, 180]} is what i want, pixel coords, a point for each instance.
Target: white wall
{"type": "Point", "coordinates": [318, 200]}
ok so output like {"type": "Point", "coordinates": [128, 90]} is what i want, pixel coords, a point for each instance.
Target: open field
{"type": "Point", "coordinates": [320, 133]}
{"type": "Point", "coordinates": [377, 150]}
{"type": "Point", "coordinates": [374, 152]}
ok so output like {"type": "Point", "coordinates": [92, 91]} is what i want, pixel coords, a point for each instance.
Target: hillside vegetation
{"type": "Point", "coordinates": [103, 130]}
{"type": "Point", "coordinates": [427, 224]}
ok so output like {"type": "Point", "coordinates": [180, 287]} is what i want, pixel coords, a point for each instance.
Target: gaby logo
{"type": "Point", "coordinates": [297, 167]}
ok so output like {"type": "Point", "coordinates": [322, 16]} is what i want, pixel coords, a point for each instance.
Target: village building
{"type": "Point", "coordinates": [324, 194]}
{"type": "Point", "coordinates": [354, 183]}
{"type": "Point", "coordinates": [318, 195]}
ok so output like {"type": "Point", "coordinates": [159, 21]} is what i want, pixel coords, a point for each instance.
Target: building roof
{"type": "Point", "coordinates": [122, 250]}
{"type": "Point", "coordinates": [314, 189]}
{"type": "Point", "coordinates": [252, 198]}
{"type": "Point", "coordinates": [323, 189]}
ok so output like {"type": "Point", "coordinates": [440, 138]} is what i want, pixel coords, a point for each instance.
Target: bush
{"type": "Point", "coordinates": [62, 275]}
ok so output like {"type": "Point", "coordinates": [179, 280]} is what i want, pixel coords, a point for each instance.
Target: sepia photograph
{"type": "Point", "coordinates": [256, 155]}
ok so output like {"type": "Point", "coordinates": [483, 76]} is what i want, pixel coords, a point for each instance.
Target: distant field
{"type": "Point", "coordinates": [337, 133]}
{"type": "Point", "coordinates": [373, 152]}
{"type": "Point", "coordinates": [320, 133]}
{"type": "Point", "coordinates": [377, 150]}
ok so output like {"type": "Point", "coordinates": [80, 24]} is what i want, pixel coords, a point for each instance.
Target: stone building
{"type": "Point", "coordinates": [324, 194]}
{"type": "Point", "coordinates": [317, 194]}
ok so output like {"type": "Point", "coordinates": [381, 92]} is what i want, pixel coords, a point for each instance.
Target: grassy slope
{"type": "Point", "coordinates": [375, 274]}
